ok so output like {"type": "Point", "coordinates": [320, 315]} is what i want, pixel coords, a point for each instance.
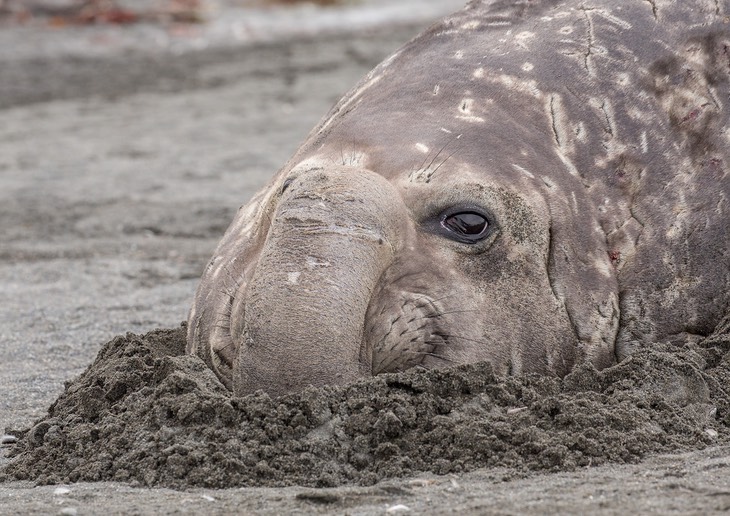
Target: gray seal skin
{"type": "Point", "coordinates": [532, 183]}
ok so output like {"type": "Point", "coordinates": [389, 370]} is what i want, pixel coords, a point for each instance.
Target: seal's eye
{"type": "Point", "coordinates": [466, 226]}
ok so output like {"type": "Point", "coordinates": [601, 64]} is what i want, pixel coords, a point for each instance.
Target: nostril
{"type": "Point", "coordinates": [286, 184]}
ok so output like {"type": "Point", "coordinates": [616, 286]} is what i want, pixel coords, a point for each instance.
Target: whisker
{"type": "Point", "coordinates": [455, 137]}
{"type": "Point", "coordinates": [438, 154]}
{"type": "Point", "coordinates": [431, 301]}
{"type": "Point", "coordinates": [453, 312]}
{"type": "Point", "coordinates": [444, 161]}
{"type": "Point", "coordinates": [413, 331]}
{"type": "Point", "coordinates": [423, 165]}
{"type": "Point", "coordinates": [435, 355]}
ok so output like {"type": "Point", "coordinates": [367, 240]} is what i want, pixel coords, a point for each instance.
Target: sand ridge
{"type": "Point", "coordinates": [147, 414]}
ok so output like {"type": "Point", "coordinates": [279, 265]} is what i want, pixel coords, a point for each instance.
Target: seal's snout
{"type": "Point", "coordinates": [332, 234]}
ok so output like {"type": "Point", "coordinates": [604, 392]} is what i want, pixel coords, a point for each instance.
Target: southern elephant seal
{"type": "Point", "coordinates": [530, 183]}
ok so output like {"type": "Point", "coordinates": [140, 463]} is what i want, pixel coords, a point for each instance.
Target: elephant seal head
{"type": "Point", "coordinates": [346, 273]}
{"type": "Point", "coordinates": [479, 196]}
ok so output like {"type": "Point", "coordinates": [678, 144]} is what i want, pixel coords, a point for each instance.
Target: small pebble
{"type": "Point", "coordinates": [397, 508]}
{"type": "Point", "coordinates": [208, 497]}
{"type": "Point", "coordinates": [8, 439]}
{"type": "Point", "coordinates": [712, 433]}
{"type": "Point", "coordinates": [60, 491]}
{"type": "Point", "coordinates": [515, 410]}
{"type": "Point", "coordinates": [69, 511]}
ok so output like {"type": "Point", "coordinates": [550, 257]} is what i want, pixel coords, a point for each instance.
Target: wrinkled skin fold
{"type": "Point", "coordinates": [588, 142]}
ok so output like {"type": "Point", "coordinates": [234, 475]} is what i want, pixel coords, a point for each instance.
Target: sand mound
{"type": "Point", "coordinates": [145, 413]}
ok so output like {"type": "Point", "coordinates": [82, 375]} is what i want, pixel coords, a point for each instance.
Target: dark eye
{"type": "Point", "coordinates": [466, 226]}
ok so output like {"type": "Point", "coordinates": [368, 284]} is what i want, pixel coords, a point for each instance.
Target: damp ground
{"type": "Point", "coordinates": [146, 415]}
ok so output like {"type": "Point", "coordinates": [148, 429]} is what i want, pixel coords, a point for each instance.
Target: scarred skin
{"type": "Point", "coordinates": [591, 136]}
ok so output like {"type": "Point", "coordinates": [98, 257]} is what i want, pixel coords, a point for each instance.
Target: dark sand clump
{"type": "Point", "coordinates": [146, 414]}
